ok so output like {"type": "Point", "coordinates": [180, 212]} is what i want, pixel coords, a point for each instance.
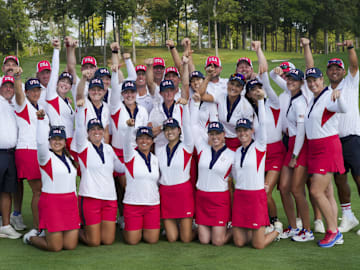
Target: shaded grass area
{"type": "Point", "coordinates": [163, 255]}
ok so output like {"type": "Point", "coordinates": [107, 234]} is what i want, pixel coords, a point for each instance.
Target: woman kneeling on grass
{"type": "Point", "coordinates": [97, 195]}
{"type": "Point", "coordinates": [58, 211]}
{"type": "Point", "coordinates": [250, 213]}
{"type": "Point", "coordinates": [141, 199]}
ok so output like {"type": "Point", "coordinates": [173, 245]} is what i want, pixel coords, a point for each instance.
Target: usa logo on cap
{"type": "Point", "coordinates": [7, 79]}
{"type": "Point", "coordinates": [172, 69]}
{"type": "Point", "coordinates": [11, 57]}
{"type": "Point", "coordinates": [158, 61]}
{"type": "Point", "coordinates": [89, 60]}
{"type": "Point", "coordinates": [213, 60]}
{"type": "Point", "coordinates": [43, 65]}
{"type": "Point", "coordinates": [140, 67]}
{"type": "Point", "coordinates": [245, 59]}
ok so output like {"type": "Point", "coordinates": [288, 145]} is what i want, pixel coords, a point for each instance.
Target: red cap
{"type": "Point", "coordinates": [140, 67]}
{"type": "Point", "coordinates": [287, 66]}
{"type": "Point", "coordinates": [158, 61]}
{"type": "Point", "coordinates": [11, 57]}
{"type": "Point", "coordinates": [7, 79]}
{"type": "Point", "coordinates": [89, 60]}
{"type": "Point", "coordinates": [213, 60]}
{"type": "Point", "coordinates": [336, 61]}
{"type": "Point", "coordinates": [43, 65]}
{"type": "Point", "coordinates": [247, 60]}
{"type": "Point", "coordinates": [172, 69]}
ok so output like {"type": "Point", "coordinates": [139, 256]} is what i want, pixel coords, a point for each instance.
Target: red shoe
{"type": "Point", "coordinates": [331, 239]}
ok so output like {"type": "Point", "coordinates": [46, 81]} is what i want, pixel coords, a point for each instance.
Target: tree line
{"type": "Point", "coordinates": [209, 23]}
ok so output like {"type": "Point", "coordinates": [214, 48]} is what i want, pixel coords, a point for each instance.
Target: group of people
{"type": "Point", "coordinates": [204, 159]}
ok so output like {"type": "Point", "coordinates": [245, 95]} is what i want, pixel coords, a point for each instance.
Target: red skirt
{"type": "Point", "coordinates": [27, 165]}
{"type": "Point", "coordinates": [232, 143]}
{"type": "Point", "coordinates": [120, 154]}
{"type": "Point", "coordinates": [250, 209]}
{"type": "Point", "coordinates": [176, 201]}
{"type": "Point", "coordinates": [212, 208]}
{"type": "Point", "coordinates": [325, 155]}
{"type": "Point", "coordinates": [275, 153]}
{"type": "Point", "coordinates": [58, 212]}
{"type": "Point", "coordinates": [301, 160]}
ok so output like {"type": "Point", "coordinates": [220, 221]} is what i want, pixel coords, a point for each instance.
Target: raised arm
{"type": "Point", "coordinates": [55, 66]}
{"type": "Point", "coordinates": [309, 60]}
{"type": "Point", "coordinates": [42, 142]}
{"type": "Point", "coordinates": [273, 98]}
{"type": "Point", "coordinates": [174, 54]}
{"type": "Point", "coordinates": [185, 78]}
{"type": "Point", "coordinates": [115, 97]}
{"type": "Point", "coordinates": [80, 128]}
{"type": "Point", "coordinates": [275, 75]}
{"type": "Point", "coordinates": [186, 42]}
{"type": "Point", "coordinates": [263, 66]}
{"type": "Point", "coordinates": [353, 59]}
{"type": "Point", "coordinates": [129, 67]}
{"type": "Point", "coordinates": [150, 76]}
{"type": "Point", "coordinates": [81, 86]}
{"type": "Point", "coordinates": [129, 151]}
{"type": "Point", "coordinates": [115, 59]}
{"type": "Point", "coordinates": [188, 134]}
{"type": "Point", "coordinates": [210, 71]}
{"type": "Point", "coordinates": [71, 44]}
{"type": "Point", "coordinates": [19, 94]}
{"type": "Point", "coordinates": [260, 135]}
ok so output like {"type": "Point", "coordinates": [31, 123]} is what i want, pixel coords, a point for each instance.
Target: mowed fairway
{"type": "Point", "coordinates": [163, 255]}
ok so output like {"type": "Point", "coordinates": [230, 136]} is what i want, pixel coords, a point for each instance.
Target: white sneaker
{"type": "Point", "coordinates": [289, 232]}
{"type": "Point", "coordinates": [17, 222]}
{"type": "Point", "coordinates": [194, 225]}
{"type": "Point", "coordinates": [42, 233]}
{"type": "Point", "coordinates": [229, 225]}
{"type": "Point", "coordinates": [278, 226]}
{"type": "Point", "coordinates": [299, 224]}
{"type": "Point", "coordinates": [319, 226]}
{"type": "Point", "coordinates": [269, 229]}
{"type": "Point", "coordinates": [31, 233]}
{"type": "Point", "coordinates": [358, 232]}
{"type": "Point", "coordinates": [9, 232]}
{"type": "Point", "coordinates": [303, 236]}
{"type": "Point", "coordinates": [348, 223]}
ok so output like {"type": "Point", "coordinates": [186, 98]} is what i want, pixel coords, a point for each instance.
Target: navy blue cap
{"type": "Point", "coordinates": [66, 75]}
{"type": "Point", "coordinates": [243, 122]}
{"type": "Point", "coordinates": [238, 77]}
{"type": "Point", "coordinates": [171, 122]}
{"type": "Point", "coordinates": [313, 72]}
{"type": "Point", "coordinates": [144, 131]}
{"type": "Point", "coordinates": [196, 74]}
{"type": "Point", "coordinates": [166, 84]}
{"type": "Point", "coordinates": [252, 83]}
{"type": "Point", "coordinates": [94, 123]}
{"type": "Point", "coordinates": [32, 83]}
{"type": "Point", "coordinates": [215, 126]}
{"type": "Point", "coordinates": [296, 74]}
{"type": "Point", "coordinates": [101, 72]}
{"type": "Point", "coordinates": [57, 131]}
{"type": "Point", "coordinates": [128, 85]}
{"type": "Point", "coordinates": [96, 82]}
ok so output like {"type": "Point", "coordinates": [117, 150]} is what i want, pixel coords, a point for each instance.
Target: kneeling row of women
{"type": "Point", "coordinates": [60, 213]}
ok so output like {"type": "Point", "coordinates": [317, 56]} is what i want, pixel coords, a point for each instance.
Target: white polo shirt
{"type": "Point", "coordinates": [349, 122]}
{"type": "Point", "coordinates": [56, 176]}
{"type": "Point", "coordinates": [26, 120]}
{"type": "Point", "coordinates": [8, 127]}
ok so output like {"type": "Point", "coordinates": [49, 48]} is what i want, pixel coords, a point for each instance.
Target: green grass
{"type": "Point", "coordinates": [163, 255]}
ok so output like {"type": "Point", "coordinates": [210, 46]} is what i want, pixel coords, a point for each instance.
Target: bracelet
{"type": "Point", "coordinates": [17, 76]}
{"type": "Point", "coordinates": [114, 51]}
{"type": "Point", "coordinates": [350, 47]}
{"type": "Point", "coordinates": [294, 156]}
{"type": "Point", "coordinates": [171, 47]}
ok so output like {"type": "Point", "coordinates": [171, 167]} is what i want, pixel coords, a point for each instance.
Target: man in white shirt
{"type": "Point", "coordinates": [8, 178]}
